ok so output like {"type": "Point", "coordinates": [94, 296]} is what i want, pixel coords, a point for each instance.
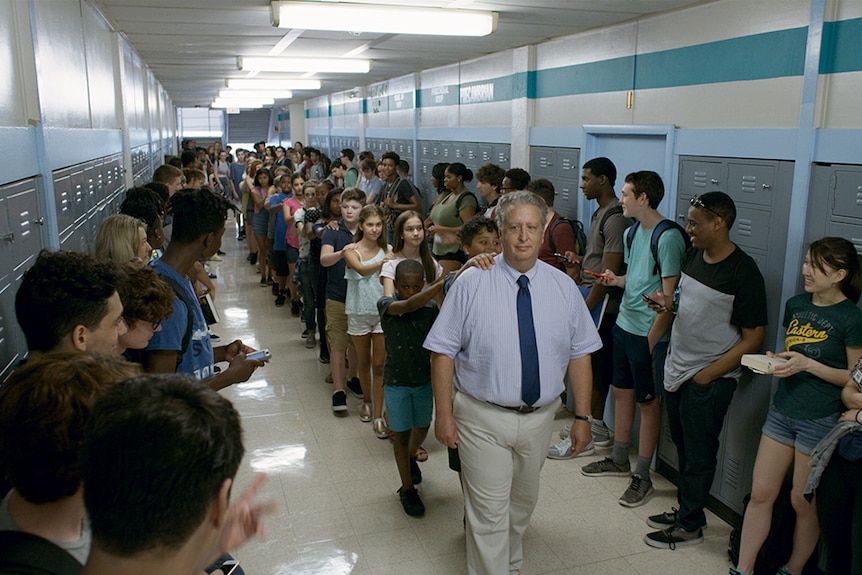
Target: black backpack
{"type": "Point", "coordinates": [657, 231]}
{"type": "Point", "coordinates": [25, 554]}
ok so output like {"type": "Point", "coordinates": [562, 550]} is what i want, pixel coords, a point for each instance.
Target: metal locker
{"type": "Point", "coordinates": [447, 152]}
{"type": "Point", "coordinates": [567, 164]}
{"type": "Point", "coordinates": [486, 154]}
{"type": "Point", "coordinates": [78, 197]}
{"type": "Point", "coordinates": [751, 183]}
{"type": "Point", "coordinates": [846, 187]}
{"type": "Point", "coordinates": [471, 154]}
{"type": "Point", "coordinates": [566, 198]}
{"type": "Point", "coordinates": [698, 176]}
{"type": "Point", "coordinates": [437, 152]}
{"type": "Point", "coordinates": [25, 223]}
{"type": "Point", "coordinates": [90, 196]}
{"type": "Point", "coordinates": [543, 162]}
{"type": "Point", "coordinates": [63, 200]}
{"type": "Point", "coordinates": [751, 228]}
{"type": "Point", "coordinates": [425, 152]}
{"type": "Point", "coordinates": [12, 344]}
{"type": "Point", "coordinates": [459, 152]}
{"type": "Point", "coordinates": [503, 155]}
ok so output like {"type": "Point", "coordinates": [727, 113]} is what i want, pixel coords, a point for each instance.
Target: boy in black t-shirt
{"type": "Point", "coordinates": [406, 319]}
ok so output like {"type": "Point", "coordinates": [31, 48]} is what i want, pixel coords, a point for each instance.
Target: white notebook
{"type": "Point", "coordinates": [760, 363]}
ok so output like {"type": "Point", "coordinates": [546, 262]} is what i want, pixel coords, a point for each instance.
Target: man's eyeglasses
{"type": "Point", "coordinates": [698, 203]}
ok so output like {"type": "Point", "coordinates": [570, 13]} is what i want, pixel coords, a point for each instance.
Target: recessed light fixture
{"type": "Point", "coordinates": [255, 94]}
{"type": "Point", "coordinates": [326, 65]}
{"type": "Point", "coordinates": [272, 84]}
{"type": "Point", "coordinates": [380, 19]}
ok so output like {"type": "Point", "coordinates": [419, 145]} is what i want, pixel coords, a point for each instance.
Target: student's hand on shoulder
{"type": "Point", "coordinates": [332, 224]}
{"type": "Point", "coordinates": [483, 261]}
{"type": "Point", "coordinates": [389, 256]}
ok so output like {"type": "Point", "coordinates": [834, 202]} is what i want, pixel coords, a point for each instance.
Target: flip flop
{"type": "Point", "coordinates": [421, 454]}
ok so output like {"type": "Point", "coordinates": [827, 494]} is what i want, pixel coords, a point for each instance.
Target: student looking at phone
{"type": "Point", "coordinates": [183, 346]}
{"type": "Point", "coordinates": [604, 252]}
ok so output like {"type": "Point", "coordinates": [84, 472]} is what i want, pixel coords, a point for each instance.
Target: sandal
{"type": "Point", "coordinates": [329, 378]}
{"type": "Point", "coordinates": [421, 454]}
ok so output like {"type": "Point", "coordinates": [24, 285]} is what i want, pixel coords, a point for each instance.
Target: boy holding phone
{"type": "Point", "coordinates": [640, 335]}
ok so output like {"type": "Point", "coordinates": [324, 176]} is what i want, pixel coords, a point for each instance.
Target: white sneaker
{"type": "Point", "coordinates": [563, 450]}
{"type": "Point", "coordinates": [565, 431]}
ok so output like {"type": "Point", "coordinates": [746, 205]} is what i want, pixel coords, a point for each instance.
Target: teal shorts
{"type": "Point", "coordinates": [409, 407]}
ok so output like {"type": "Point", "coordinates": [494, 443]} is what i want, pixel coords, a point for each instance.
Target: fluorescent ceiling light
{"type": "Point", "coordinates": [267, 84]}
{"type": "Point", "coordinates": [330, 65]}
{"type": "Point", "coordinates": [348, 17]}
{"type": "Point", "coordinates": [255, 94]}
{"type": "Point", "coordinates": [242, 102]}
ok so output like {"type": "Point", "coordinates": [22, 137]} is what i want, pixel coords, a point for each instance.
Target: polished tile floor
{"type": "Point", "coordinates": [335, 482]}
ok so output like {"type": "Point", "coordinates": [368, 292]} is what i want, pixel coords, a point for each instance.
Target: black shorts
{"type": "Point", "coordinates": [279, 262]}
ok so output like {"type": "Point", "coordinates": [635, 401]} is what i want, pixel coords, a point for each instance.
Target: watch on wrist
{"type": "Point", "coordinates": [584, 417]}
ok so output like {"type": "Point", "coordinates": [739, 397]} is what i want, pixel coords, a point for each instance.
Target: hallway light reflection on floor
{"type": "Point", "coordinates": [336, 562]}
{"type": "Point", "coordinates": [237, 315]}
{"type": "Point", "coordinates": [257, 389]}
{"type": "Point", "coordinates": [275, 459]}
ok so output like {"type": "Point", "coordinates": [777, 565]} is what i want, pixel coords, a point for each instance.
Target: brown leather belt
{"type": "Point", "coordinates": [518, 409]}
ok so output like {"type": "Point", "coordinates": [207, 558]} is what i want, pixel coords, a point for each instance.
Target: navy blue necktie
{"type": "Point", "coordinates": [530, 390]}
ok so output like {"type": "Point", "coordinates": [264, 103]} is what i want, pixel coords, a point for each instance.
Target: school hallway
{"type": "Point", "coordinates": [335, 482]}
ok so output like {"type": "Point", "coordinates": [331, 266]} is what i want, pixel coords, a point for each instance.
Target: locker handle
{"type": "Point", "coordinates": [10, 237]}
{"type": "Point", "coordinates": [714, 181]}
{"type": "Point", "coordinates": [765, 186]}
{"type": "Point", "coordinates": [40, 221]}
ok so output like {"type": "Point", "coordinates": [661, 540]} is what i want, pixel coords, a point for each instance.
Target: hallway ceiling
{"type": "Point", "coordinates": [192, 46]}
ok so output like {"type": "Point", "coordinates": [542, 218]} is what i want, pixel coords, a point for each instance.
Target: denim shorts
{"type": "Point", "coordinates": [409, 407]}
{"type": "Point", "coordinates": [802, 434]}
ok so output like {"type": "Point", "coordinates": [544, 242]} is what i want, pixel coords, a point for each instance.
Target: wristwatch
{"type": "Point", "coordinates": [584, 417]}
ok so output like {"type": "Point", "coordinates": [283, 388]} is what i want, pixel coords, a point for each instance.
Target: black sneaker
{"type": "Point", "coordinates": [355, 388]}
{"type": "Point", "coordinates": [415, 472]}
{"type": "Point", "coordinates": [339, 402]}
{"type": "Point", "coordinates": [253, 259]}
{"type": "Point", "coordinates": [673, 537]}
{"type": "Point", "coordinates": [323, 358]}
{"type": "Point", "coordinates": [663, 520]}
{"type": "Point", "coordinates": [280, 300]}
{"type": "Point", "coordinates": [294, 307]}
{"type": "Point", "coordinates": [307, 333]}
{"type": "Point", "coordinates": [411, 502]}
{"type": "Point", "coordinates": [639, 490]}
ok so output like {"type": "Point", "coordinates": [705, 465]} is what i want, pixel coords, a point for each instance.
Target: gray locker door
{"type": "Point", "coordinates": [751, 229]}
{"type": "Point", "coordinates": [12, 345]}
{"type": "Point", "coordinates": [697, 176]}
{"type": "Point", "coordinates": [459, 153]}
{"type": "Point", "coordinates": [567, 167]}
{"type": "Point", "coordinates": [79, 197]}
{"type": "Point", "coordinates": [502, 153]}
{"type": "Point", "coordinates": [447, 152]}
{"type": "Point", "coordinates": [63, 200]}
{"type": "Point", "coordinates": [471, 154]}
{"type": "Point", "coordinates": [543, 162]}
{"type": "Point", "coordinates": [566, 198]}
{"type": "Point", "coordinates": [425, 152]}
{"type": "Point", "coordinates": [22, 207]}
{"type": "Point", "coordinates": [91, 198]}
{"type": "Point", "coordinates": [437, 152]}
{"type": "Point", "coordinates": [751, 183]}
{"type": "Point", "coordinates": [486, 154]}
{"type": "Point", "coordinates": [846, 186]}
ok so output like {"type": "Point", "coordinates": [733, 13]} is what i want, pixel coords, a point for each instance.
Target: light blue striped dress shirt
{"type": "Point", "coordinates": [478, 329]}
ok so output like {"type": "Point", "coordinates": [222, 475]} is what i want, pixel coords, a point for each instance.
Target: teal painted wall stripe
{"type": "Point", "coordinates": [841, 47]}
{"type": "Point", "coordinates": [771, 55]}
{"type": "Point", "coordinates": [610, 75]}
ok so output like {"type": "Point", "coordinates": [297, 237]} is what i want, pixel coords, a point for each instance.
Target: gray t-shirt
{"type": "Point", "coordinates": [79, 549]}
{"type": "Point", "coordinates": [604, 238]}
